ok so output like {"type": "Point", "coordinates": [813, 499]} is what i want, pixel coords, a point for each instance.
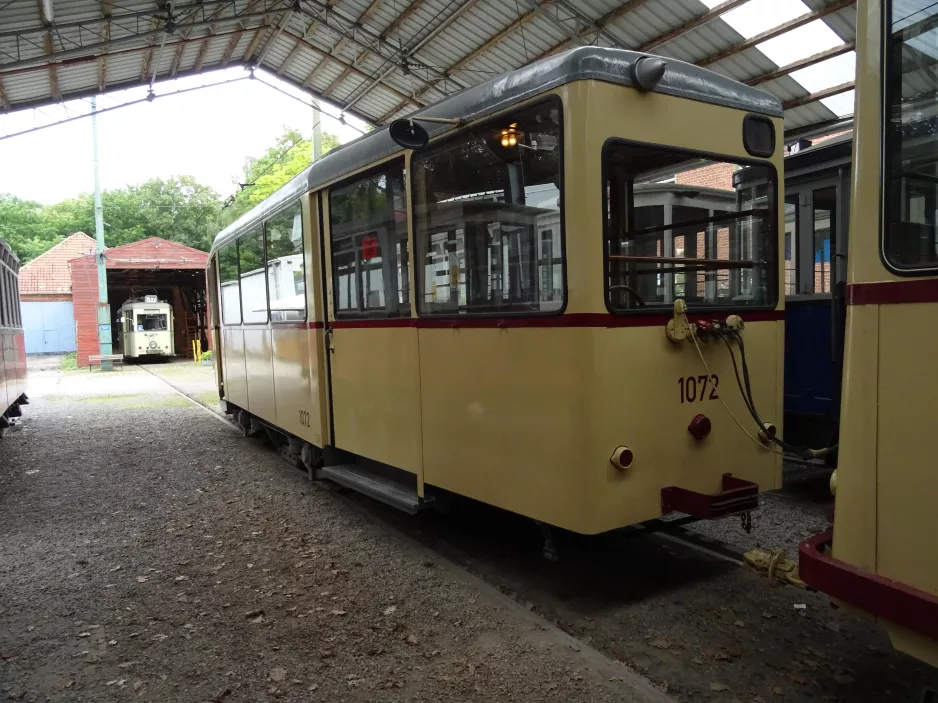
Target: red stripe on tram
{"type": "Point", "coordinates": [582, 320]}
{"type": "Point", "coordinates": [893, 292]}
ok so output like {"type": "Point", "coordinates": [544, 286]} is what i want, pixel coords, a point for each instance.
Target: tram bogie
{"type": "Point", "coordinates": [486, 315]}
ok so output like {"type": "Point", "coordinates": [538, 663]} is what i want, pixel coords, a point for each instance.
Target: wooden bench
{"type": "Point", "coordinates": [98, 358]}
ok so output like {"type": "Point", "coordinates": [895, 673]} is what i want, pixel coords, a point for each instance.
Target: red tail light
{"type": "Point", "coordinates": [699, 427]}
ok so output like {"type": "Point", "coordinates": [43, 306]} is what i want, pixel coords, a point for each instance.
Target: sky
{"type": "Point", "coordinates": [208, 133]}
{"type": "Point", "coordinates": [204, 133]}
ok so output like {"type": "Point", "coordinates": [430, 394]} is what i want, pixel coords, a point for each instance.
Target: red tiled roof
{"type": "Point", "coordinates": [156, 253]}
{"type": "Point", "coordinates": [48, 273]}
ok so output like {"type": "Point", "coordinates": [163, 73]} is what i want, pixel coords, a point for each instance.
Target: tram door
{"type": "Point", "coordinates": [372, 345]}
{"type": "Point", "coordinates": [815, 275]}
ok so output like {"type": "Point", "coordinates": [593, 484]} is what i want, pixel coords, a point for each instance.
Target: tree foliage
{"type": "Point", "coordinates": [178, 209]}
{"type": "Point", "coordinates": [263, 175]}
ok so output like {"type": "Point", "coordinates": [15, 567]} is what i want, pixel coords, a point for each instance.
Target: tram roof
{"type": "Point", "coordinates": [680, 79]}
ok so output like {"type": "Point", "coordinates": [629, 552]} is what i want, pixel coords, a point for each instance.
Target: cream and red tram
{"type": "Point", "coordinates": [486, 315]}
{"type": "Point", "coordinates": [881, 556]}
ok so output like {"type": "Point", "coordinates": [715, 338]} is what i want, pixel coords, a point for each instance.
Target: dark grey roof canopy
{"type": "Point", "coordinates": [610, 65]}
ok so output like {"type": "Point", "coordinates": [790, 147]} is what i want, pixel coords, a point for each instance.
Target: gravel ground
{"type": "Point", "coordinates": [697, 626]}
{"type": "Point", "coordinates": [149, 552]}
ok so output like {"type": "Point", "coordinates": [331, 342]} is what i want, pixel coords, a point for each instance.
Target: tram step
{"type": "Point", "coordinates": [378, 487]}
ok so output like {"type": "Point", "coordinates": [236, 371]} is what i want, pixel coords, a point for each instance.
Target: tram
{"type": "Point", "coordinates": [145, 328]}
{"type": "Point", "coordinates": [880, 557]}
{"type": "Point", "coordinates": [12, 340]}
{"type": "Point", "coordinates": [817, 201]}
{"type": "Point", "coordinates": [492, 297]}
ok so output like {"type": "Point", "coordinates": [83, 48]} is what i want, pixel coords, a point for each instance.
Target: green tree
{"type": "Point", "coordinates": [23, 227]}
{"type": "Point", "coordinates": [263, 175]}
{"type": "Point", "coordinates": [179, 209]}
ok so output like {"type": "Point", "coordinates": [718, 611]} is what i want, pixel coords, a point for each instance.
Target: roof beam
{"type": "Point", "coordinates": [275, 35]}
{"type": "Point", "coordinates": [259, 34]}
{"type": "Point", "coordinates": [345, 64]}
{"type": "Point", "coordinates": [776, 31]}
{"type": "Point", "coordinates": [314, 74]}
{"type": "Point", "coordinates": [154, 34]}
{"type": "Point", "coordinates": [363, 91]}
{"type": "Point", "coordinates": [390, 113]}
{"type": "Point", "coordinates": [338, 81]}
{"type": "Point", "coordinates": [46, 22]}
{"type": "Point", "coordinates": [177, 59]}
{"type": "Point", "coordinates": [597, 26]}
{"type": "Point", "coordinates": [803, 63]}
{"type": "Point", "coordinates": [401, 18]}
{"type": "Point", "coordinates": [820, 95]}
{"type": "Point", "coordinates": [203, 48]}
{"type": "Point", "coordinates": [297, 48]}
{"type": "Point", "coordinates": [354, 32]}
{"type": "Point", "coordinates": [698, 21]}
{"type": "Point", "coordinates": [53, 72]}
{"type": "Point", "coordinates": [369, 11]}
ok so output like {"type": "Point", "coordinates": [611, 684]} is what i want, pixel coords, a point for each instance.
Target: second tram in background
{"type": "Point", "coordinates": [146, 328]}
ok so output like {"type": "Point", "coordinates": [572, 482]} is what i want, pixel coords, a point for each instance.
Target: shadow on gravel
{"type": "Point", "coordinates": [699, 626]}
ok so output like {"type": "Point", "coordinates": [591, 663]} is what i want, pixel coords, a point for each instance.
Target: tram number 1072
{"type": "Point", "coordinates": [694, 388]}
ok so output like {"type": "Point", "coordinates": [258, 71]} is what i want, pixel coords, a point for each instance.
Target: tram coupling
{"type": "Point", "coordinates": [680, 329]}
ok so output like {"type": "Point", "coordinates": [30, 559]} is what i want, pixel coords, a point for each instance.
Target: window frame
{"type": "Point", "coordinates": [365, 314]}
{"type": "Point", "coordinates": [255, 228]}
{"type": "Point", "coordinates": [773, 241]}
{"type": "Point", "coordinates": [221, 303]}
{"type": "Point", "coordinates": [279, 211]}
{"type": "Point", "coordinates": [888, 86]}
{"type": "Point", "coordinates": [456, 136]}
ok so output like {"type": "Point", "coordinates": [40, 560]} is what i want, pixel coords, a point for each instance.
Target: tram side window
{"type": "Point", "coordinates": [910, 166]}
{"type": "Point", "coordinates": [679, 226]}
{"type": "Point", "coordinates": [370, 266]}
{"type": "Point", "coordinates": [252, 279]}
{"type": "Point", "coordinates": [229, 283]}
{"type": "Point", "coordinates": [489, 233]}
{"type": "Point", "coordinates": [4, 295]}
{"type": "Point", "coordinates": [286, 281]}
{"type": "Point", "coordinates": [7, 300]}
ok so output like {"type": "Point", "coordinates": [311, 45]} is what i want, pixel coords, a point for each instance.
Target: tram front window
{"type": "Point", "coordinates": [678, 227]}
{"type": "Point", "coordinates": [151, 322]}
{"type": "Point", "coordinates": [488, 227]}
{"type": "Point", "coordinates": [911, 119]}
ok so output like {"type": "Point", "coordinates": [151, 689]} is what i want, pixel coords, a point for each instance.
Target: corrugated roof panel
{"type": "Point", "coordinates": [807, 114]}
{"type": "Point", "coordinates": [477, 21]}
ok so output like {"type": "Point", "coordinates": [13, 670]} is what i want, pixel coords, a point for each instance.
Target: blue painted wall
{"type": "Point", "coordinates": [49, 327]}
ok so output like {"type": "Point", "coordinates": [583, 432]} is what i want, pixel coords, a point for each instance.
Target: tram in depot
{"type": "Point", "coordinates": [880, 556]}
{"type": "Point", "coordinates": [12, 340]}
{"type": "Point", "coordinates": [145, 328]}
{"type": "Point", "coordinates": [526, 294]}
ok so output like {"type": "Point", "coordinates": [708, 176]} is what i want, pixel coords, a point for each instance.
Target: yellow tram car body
{"type": "Point", "coordinates": [516, 363]}
{"type": "Point", "coordinates": [882, 556]}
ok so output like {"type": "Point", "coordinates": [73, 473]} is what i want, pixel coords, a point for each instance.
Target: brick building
{"type": "Point", "coordinates": [45, 285]}
{"type": "Point", "coordinates": [174, 272]}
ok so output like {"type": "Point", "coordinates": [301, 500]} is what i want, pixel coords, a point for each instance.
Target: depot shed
{"type": "Point", "coordinates": [46, 296]}
{"type": "Point", "coordinates": [172, 271]}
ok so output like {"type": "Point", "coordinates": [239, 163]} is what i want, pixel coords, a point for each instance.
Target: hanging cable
{"type": "Point", "coordinates": [729, 412]}
{"type": "Point", "coordinates": [745, 389]}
